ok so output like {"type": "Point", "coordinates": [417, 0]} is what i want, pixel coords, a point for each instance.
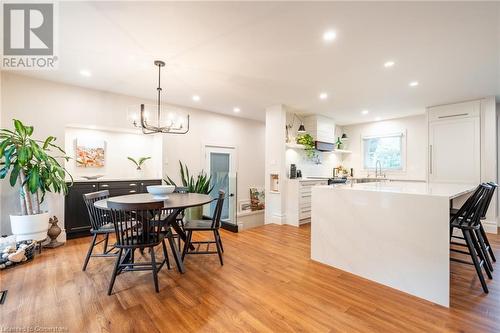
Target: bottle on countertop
{"type": "Point", "coordinates": [293, 171]}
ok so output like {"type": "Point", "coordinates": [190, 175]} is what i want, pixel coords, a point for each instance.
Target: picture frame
{"type": "Point", "coordinates": [244, 206]}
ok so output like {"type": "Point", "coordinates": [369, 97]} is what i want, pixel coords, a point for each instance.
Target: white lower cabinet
{"type": "Point", "coordinates": [298, 200]}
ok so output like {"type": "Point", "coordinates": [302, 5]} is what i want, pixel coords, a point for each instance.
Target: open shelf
{"type": "Point", "coordinates": [293, 145]}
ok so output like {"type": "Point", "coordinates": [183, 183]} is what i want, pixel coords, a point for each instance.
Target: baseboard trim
{"type": "Point", "coordinates": [490, 227]}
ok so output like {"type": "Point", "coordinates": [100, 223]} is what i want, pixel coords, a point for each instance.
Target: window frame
{"type": "Point", "coordinates": [401, 134]}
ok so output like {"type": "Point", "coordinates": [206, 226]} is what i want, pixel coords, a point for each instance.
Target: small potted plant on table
{"type": "Point", "coordinates": [29, 164]}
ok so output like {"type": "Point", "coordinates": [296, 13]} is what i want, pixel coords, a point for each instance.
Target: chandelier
{"type": "Point", "coordinates": [156, 126]}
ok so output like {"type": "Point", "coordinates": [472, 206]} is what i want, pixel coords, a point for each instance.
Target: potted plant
{"type": "Point", "coordinates": [138, 163]}
{"type": "Point", "coordinates": [29, 164]}
{"type": "Point", "coordinates": [308, 142]}
{"type": "Point", "coordinates": [200, 184]}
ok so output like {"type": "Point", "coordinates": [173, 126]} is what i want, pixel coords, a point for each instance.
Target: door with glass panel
{"type": "Point", "coordinates": [221, 166]}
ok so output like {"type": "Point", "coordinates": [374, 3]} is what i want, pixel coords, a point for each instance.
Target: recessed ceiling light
{"type": "Point", "coordinates": [365, 112]}
{"type": "Point", "coordinates": [236, 110]}
{"type": "Point", "coordinates": [323, 95]}
{"type": "Point", "coordinates": [196, 98]}
{"type": "Point", "coordinates": [413, 83]}
{"type": "Point", "coordinates": [85, 73]}
{"type": "Point", "coordinates": [378, 119]}
{"type": "Point", "coordinates": [389, 63]}
{"type": "Point", "coordinates": [329, 35]}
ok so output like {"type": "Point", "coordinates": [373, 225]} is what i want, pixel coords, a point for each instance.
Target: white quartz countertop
{"type": "Point", "coordinates": [434, 189]}
{"type": "Point", "coordinates": [109, 179]}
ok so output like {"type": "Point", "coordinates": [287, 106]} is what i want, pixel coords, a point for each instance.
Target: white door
{"type": "Point", "coordinates": [221, 166]}
{"type": "Point", "coordinates": [454, 151]}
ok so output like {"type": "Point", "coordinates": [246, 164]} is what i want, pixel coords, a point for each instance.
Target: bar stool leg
{"type": "Point", "coordinates": [475, 260]}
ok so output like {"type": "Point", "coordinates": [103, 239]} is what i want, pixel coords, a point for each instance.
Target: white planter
{"type": "Point", "coordinates": [30, 226]}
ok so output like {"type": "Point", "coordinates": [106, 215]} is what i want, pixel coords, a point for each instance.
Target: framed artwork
{"type": "Point", "coordinates": [90, 153]}
{"type": "Point", "coordinates": [244, 206]}
{"type": "Point", "coordinates": [257, 198]}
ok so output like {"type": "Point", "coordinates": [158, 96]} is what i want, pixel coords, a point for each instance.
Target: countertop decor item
{"type": "Point", "coordinates": [32, 165]}
{"type": "Point", "coordinates": [171, 126]}
{"type": "Point", "coordinates": [53, 233]}
{"type": "Point", "coordinates": [139, 161]}
{"type": "Point", "coordinates": [308, 141]}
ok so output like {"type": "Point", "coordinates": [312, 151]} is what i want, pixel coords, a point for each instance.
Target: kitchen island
{"type": "Point", "coordinates": [393, 233]}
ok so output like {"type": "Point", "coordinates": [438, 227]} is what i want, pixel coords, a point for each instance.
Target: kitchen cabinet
{"type": "Point", "coordinates": [298, 200]}
{"type": "Point", "coordinates": [76, 217]}
{"type": "Point", "coordinates": [455, 143]}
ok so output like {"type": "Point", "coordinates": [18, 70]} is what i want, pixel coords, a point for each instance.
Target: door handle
{"type": "Point", "coordinates": [430, 159]}
{"type": "Point", "coordinates": [231, 194]}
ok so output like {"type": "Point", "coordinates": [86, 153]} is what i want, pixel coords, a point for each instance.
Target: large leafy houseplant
{"type": "Point", "coordinates": [31, 164]}
{"type": "Point", "coordinates": [200, 184]}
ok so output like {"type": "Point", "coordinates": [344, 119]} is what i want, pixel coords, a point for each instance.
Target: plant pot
{"type": "Point", "coordinates": [194, 213]}
{"type": "Point", "coordinates": [30, 226]}
{"type": "Point", "coordinates": [139, 173]}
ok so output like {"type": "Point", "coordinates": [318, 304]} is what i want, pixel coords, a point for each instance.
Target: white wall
{"type": "Point", "coordinates": [416, 145]}
{"type": "Point", "coordinates": [51, 106]}
{"type": "Point", "coordinates": [116, 164]}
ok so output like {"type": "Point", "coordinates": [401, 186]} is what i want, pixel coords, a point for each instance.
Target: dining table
{"type": "Point", "coordinates": [173, 203]}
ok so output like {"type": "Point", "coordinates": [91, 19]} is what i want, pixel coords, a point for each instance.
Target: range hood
{"type": "Point", "coordinates": [324, 146]}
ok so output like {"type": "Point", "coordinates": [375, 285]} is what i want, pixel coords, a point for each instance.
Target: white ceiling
{"type": "Point", "coordinates": [254, 54]}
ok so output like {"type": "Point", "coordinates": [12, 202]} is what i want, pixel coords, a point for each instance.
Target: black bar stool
{"type": "Point", "coordinates": [468, 221]}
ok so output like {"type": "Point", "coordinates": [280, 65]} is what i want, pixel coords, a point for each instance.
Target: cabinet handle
{"type": "Point", "coordinates": [132, 191]}
{"type": "Point", "coordinates": [104, 185]}
{"type": "Point", "coordinates": [430, 159]}
{"type": "Point", "coordinates": [132, 184]}
{"type": "Point", "coordinates": [453, 115]}
{"type": "Point", "coordinates": [93, 185]}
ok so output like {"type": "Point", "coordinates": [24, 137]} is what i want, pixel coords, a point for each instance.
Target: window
{"type": "Point", "coordinates": [388, 149]}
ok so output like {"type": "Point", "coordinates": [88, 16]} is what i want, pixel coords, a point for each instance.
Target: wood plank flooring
{"type": "Point", "coordinates": [268, 284]}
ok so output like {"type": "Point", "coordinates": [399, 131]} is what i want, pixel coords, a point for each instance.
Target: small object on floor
{"type": "Point", "coordinates": [3, 296]}
{"type": "Point", "coordinates": [53, 232]}
{"type": "Point", "coordinates": [24, 251]}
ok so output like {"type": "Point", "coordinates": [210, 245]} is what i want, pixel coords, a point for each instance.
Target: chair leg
{"type": "Point", "coordinates": [475, 260]}
{"type": "Point", "coordinates": [220, 241]}
{"type": "Point", "coordinates": [490, 249]}
{"type": "Point", "coordinates": [115, 270]}
{"type": "Point", "coordinates": [165, 253]}
{"type": "Point", "coordinates": [155, 271]}
{"type": "Point", "coordinates": [481, 254]}
{"type": "Point", "coordinates": [484, 250]}
{"type": "Point", "coordinates": [187, 243]}
{"type": "Point", "coordinates": [219, 251]}
{"type": "Point", "coordinates": [106, 239]}
{"type": "Point", "coordinates": [89, 252]}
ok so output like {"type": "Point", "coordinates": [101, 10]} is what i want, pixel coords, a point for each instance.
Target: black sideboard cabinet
{"type": "Point", "coordinates": [76, 217]}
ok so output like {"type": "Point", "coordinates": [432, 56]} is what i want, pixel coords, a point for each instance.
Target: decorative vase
{"type": "Point", "coordinates": [194, 213]}
{"type": "Point", "coordinates": [30, 226]}
{"type": "Point", "coordinates": [139, 173]}
{"type": "Point", "coordinates": [53, 232]}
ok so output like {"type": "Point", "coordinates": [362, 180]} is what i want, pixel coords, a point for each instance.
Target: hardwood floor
{"type": "Point", "coordinates": [267, 284]}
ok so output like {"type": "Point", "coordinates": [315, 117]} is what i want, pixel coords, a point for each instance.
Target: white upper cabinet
{"type": "Point", "coordinates": [321, 128]}
{"type": "Point", "coordinates": [455, 143]}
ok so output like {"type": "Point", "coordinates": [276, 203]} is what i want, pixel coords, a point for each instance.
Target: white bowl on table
{"type": "Point", "coordinates": [160, 191]}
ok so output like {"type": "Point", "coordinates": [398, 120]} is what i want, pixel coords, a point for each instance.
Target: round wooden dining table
{"type": "Point", "coordinates": [175, 203]}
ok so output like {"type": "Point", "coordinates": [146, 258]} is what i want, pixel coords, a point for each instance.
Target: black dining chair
{"type": "Point", "coordinates": [101, 224]}
{"type": "Point", "coordinates": [138, 227]}
{"type": "Point", "coordinates": [484, 237]}
{"type": "Point", "coordinates": [212, 225]}
{"type": "Point", "coordinates": [467, 220]}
